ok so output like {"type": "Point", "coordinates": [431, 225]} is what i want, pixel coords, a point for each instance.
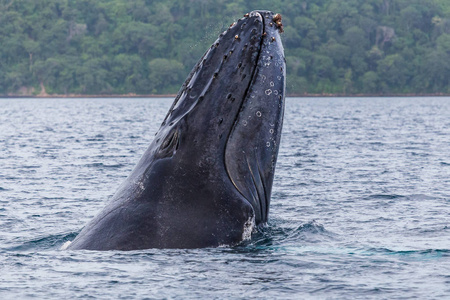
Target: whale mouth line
{"type": "Point", "coordinates": [245, 98]}
{"type": "Point", "coordinates": [248, 167]}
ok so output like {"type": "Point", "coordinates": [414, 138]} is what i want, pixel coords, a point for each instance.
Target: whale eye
{"type": "Point", "coordinates": [169, 145]}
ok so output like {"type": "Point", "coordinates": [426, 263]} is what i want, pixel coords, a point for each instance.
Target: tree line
{"type": "Point", "coordinates": [149, 46]}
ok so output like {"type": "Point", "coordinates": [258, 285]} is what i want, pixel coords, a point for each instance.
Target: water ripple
{"type": "Point", "coordinates": [359, 207]}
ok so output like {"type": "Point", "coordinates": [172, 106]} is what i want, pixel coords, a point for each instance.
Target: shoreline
{"type": "Point", "coordinates": [325, 95]}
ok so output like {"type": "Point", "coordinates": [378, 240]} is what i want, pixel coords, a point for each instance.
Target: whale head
{"type": "Point", "coordinates": [229, 112]}
{"type": "Point", "coordinates": [206, 178]}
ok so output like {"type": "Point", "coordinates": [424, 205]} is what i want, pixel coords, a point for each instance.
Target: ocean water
{"type": "Point", "coordinates": [360, 206]}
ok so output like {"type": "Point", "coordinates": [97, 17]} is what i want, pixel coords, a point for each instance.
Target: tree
{"type": "Point", "coordinates": [393, 72]}
{"type": "Point", "coordinates": [165, 74]}
{"type": "Point", "coordinates": [145, 46]}
{"type": "Point", "coordinates": [437, 65]}
{"type": "Point", "coordinates": [370, 82]}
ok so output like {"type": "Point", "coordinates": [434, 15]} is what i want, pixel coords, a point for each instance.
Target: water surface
{"type": "Point", "coordinates": [360, 205]}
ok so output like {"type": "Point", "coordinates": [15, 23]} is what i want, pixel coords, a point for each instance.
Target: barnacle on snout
{"type": "Point", "coordinates": [279, 24]}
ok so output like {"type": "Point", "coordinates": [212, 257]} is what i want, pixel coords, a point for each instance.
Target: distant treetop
{"type": "Point", "coordinates": [149, 46]}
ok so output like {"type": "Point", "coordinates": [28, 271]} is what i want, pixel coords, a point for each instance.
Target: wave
{"type": "Point", "coordinates": [385, 196]}
{"type": "Point", "coordinates": [412, 253]}
{"type": "Point", "coordinates": [406, 197]}
{"type": "Point", "coordinates": [276, 235]}
{"type": "Point", "coordinates": [49, 242]}
{"type": "Point", "coordinates": [102, 165]}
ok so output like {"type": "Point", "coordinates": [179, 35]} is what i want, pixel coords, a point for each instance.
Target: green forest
{"type": "Point", "coordinates": [143, 47]}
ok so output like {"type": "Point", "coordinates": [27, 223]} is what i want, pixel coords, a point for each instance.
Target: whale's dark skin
{"type": "Point", "coordinates": [206, 179]}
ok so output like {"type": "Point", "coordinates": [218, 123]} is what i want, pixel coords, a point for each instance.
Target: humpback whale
{"type": "Point", "coordinates": [206, 179]}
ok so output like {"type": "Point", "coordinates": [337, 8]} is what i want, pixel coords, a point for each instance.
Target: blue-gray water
{"type": "Point", "coordinates": [360, 205]}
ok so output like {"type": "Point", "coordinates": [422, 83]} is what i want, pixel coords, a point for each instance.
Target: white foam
{"type": "Point", "coordinates": [248, 228]}
{"type": "Point", "coordinates": [65, 245]}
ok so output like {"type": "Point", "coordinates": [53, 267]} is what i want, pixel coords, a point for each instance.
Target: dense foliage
{"type": "Point", "coordinates": [149, 46]}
